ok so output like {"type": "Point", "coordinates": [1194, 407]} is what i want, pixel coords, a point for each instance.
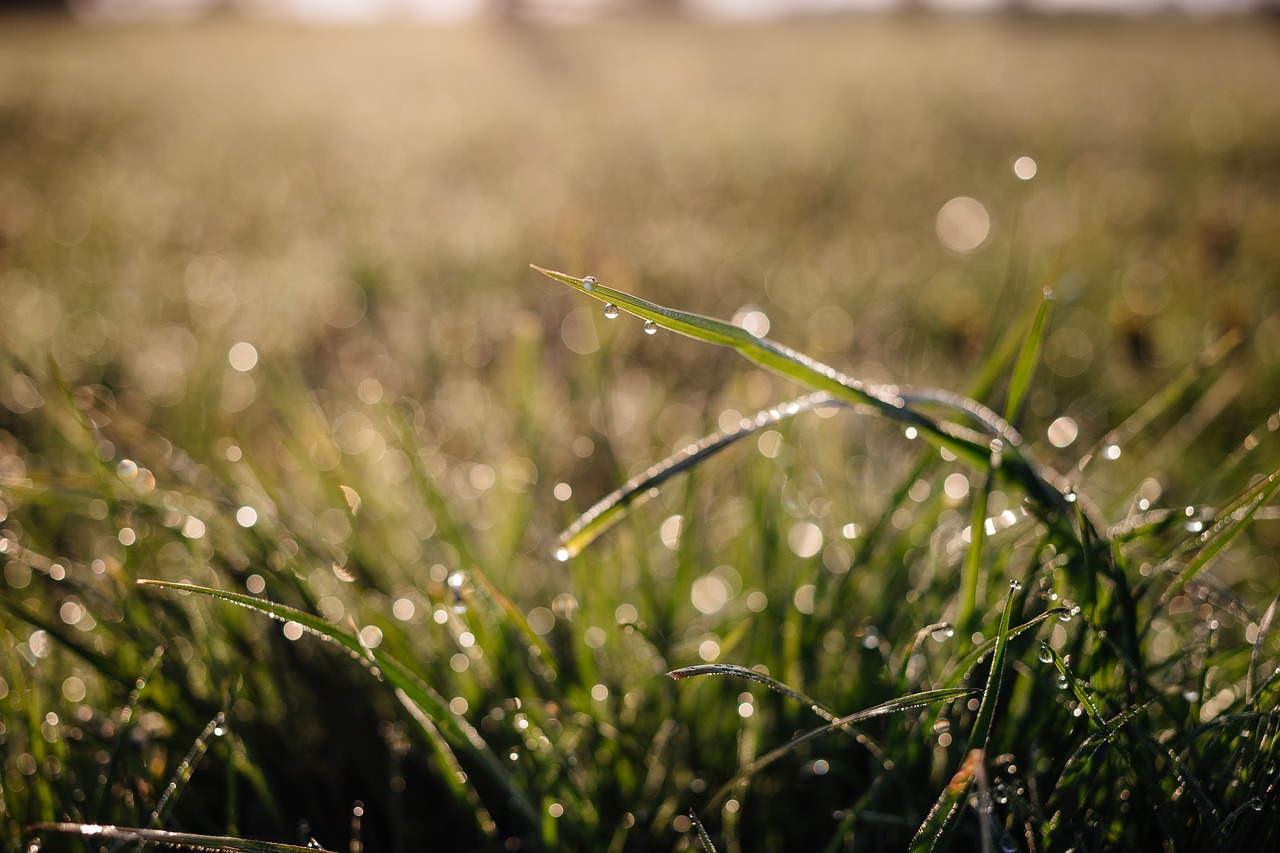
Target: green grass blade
{"type": "Point", "coordinates": [751, 674]}
{"type": "Point", "coordinates": [903, 703]}
{"type": "Point", "coordinates": [587, 527]}
{"type": "Point", "coordinates": [1264, 627]}
{"type": "Point", "coordinates": [1169, 396]}
{"type": "Point", "coordinates": [423, 700]}
{"type": "Point", "coordinates": [703, 835]}
{"type": "Point", "coordinates": [1229, 524]}
{"type": "Point", "coordinates": [93, 832]}
{"type": "Point", "coordinates": [1044, 486]}
{"type": "Point", "coordinates": [1028, 357]}
{"type": "Point", "coordinates": [172, 791]}
{"type": "Point", "coordinates": [941, 818]}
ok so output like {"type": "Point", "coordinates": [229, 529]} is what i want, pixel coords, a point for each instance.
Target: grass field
{"type": "Point", "coordinates": [269, 327]}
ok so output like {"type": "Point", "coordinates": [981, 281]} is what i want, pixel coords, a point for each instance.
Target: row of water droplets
{"type": "Point", "coordinates": [612, 311]}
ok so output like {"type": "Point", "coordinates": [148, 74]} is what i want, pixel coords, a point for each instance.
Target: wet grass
{"type": "Point", "coordinates": [1002, 577]}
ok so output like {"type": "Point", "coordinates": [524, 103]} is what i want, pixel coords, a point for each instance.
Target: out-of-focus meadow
{"type": "Point", "coordinates": [244, 266]}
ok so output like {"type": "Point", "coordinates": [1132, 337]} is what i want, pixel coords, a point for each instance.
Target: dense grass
{"type": "Point", "coordinates": [425, 415]}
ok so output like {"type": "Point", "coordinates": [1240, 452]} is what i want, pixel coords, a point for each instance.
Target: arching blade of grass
{"type": "Point", "coordinates": [92, 832]}
{"type": "Point", "coordinates": [903, 703]}
{"type": "Point", "coordinates": [752, 675]}
{"type": "Point", "coordinates": [941, 819]}
{"type": "Point", "coordinates": [418, 697]}
{"type": "Point", "coordinates": [888, 400]}
{"type": "Point", "coordinates": [1230, 523]}
{"type": "Point", "coordinates": [587, 527]}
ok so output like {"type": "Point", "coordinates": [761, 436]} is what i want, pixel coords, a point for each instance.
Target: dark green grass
{"type": "Point", "coordinates": [425, 417]}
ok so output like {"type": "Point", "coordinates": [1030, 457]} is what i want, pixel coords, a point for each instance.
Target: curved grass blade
{"type": "Point", "coordinates": [903, 703]}
{"type": "Point", "coordinates": [613, 507]}
{"type": "Point", "coordinates": [941, 819]}
{"type": "Point", "coordinates": [421, 699]}
{"type": "Point", "coordinates": [136, 835]}
{"type": "Point", "coordinates": [752, 675]}
{"type": "Point", "coordinates": [888, 400]}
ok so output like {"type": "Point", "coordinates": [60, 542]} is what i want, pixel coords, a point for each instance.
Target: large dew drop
{"type": "Point", "coordinates": [650, 327]}
{"type": "Point", "coordinates": [611, 311]}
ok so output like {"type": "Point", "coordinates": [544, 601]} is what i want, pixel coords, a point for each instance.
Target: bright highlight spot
{"type": "Point", "coordinates": [1024, 168]}
{"type": "Point", "coordinates": [1063, 432]}
{"type": "Point", "coordinates": [963, 224]}
{"type": "Point", "coordinates": [243, 356]}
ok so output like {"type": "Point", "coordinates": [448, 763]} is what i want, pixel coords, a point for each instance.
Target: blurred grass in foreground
{"type": "Point", "coordinates": [359, 209]}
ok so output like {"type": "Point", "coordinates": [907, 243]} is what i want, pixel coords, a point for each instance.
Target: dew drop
{"type": "Point", "coordinates": [589, 283]}
{"type": "Point", "coordinates": [650, 327]}
{"type": "Point", "coordinates": [1015, 585]}
{"type": "Point", "coordinates": [1256, 804]}
{"type": "Point", "coordinates": [1062, 682]}
{"type": "Point", "coordinates": [611, 311]}
{"type": "Point", "coordinates": [1046, 655]}
{"type": "Point", "coordinates": [562, 554]}
{"type": "Point", "coordinates": [1065, 616]}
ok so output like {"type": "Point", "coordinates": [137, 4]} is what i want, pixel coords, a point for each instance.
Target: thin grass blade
{"type": "Point", "coordinates": [457, 731]}
{"type": "Point", "coordinates": [587, 527]}
{"type": "Point", "coordinates": [888, 400]}
{"type": "Point", "coordinates": [1028, 357]}
{"type": "Point", "coordinates": [941, 819]}
{"type": "Point", "coordinates": [93, 832]}
{"type": "Point", "coordinates": [752, 675]}
{"type": "Point", "coordinates": [1230, 523]}
{"type": "Point", "coordinates": [903, 703]}
{"type": "Point", "coordinates": [703, 835]}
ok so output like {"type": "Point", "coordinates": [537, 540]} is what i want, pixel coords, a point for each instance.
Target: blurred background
{"type": "Point", "coordinates": [259, 258]}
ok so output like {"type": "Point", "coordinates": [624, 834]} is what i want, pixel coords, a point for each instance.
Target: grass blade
{"type": "Point", "coordinates": [587, 527]}
{"type": "Point", "coordinates": [169, 799]}
{"type": "Point", "coordinates": [92, 832]}
{"type": "Point", "coordinates": [703, 835]}
{"type": "Point", "coordinates": [941, 818]}
{"type": "Point", "coordinates": [751, 674]}
{"type": "Point", "coordinates": [1028, 357]}
{"type": "Point", "coordinates": [418, 697]}
{"type": "Point", "coordinates": [903, 703]}
{"type": "Point", "coordinates": [887, 400]}
{"type": "Point", "coordinates": [1230, 523]}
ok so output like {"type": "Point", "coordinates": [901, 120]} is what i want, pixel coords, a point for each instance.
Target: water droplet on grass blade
{"type": "Point", "coordinates": [1046, 654]}
{"type": "Point", "coordinates": [589, 283]}
{"type": "Point", "coordinates": [1015, 585]}
{"type": "Point", "coordinates": [611, 311]}
{"type": "Point", "coordinates": [650, 327]}
{"type": "Point", "coordinates": [562, 554]}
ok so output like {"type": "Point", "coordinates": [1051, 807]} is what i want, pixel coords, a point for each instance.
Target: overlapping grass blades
{"type": "Point", "coordinates": [447, 731]}
{"type": "Point", "coordinates": [933, 833]}
{"type": "Point", "coordinates": [1042, 484]}
{"type": "Point", "coordinates": [610, 509]}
